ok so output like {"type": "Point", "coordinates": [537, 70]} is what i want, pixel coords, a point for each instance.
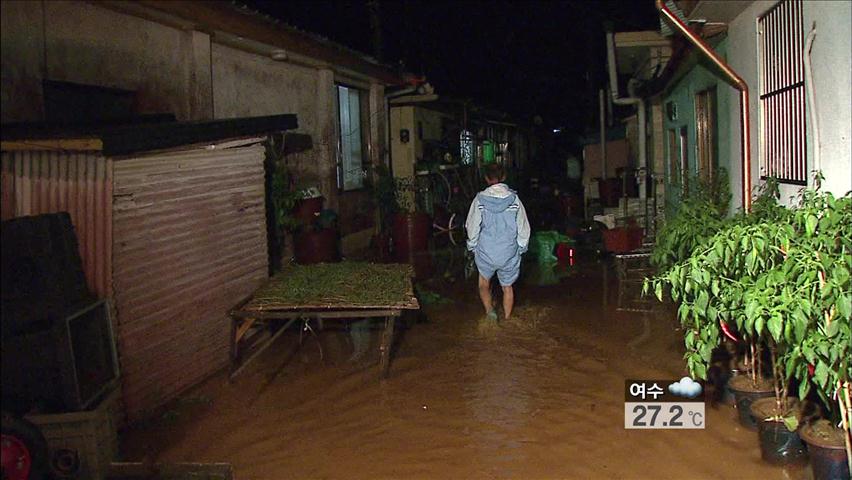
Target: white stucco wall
{"type": "Point", "coordinates": [832, 60]}
{"type": "Point", "coordinates": [832, 69]}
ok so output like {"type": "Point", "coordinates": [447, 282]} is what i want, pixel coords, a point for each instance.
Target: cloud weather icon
{"type": "Point", "coordinates": [686, 387]}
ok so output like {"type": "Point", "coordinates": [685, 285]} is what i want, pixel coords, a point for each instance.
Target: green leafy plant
{"type": "Point", "coordinates": [782, 277]}
{"type": "Point", "coordinates": [283, 198]}
{"type": "Point", "coordinates": [700, 214]}
{"type": "Point", "coordinates": [820, 262]}
{"type": "Point", "coordinates": [714, 283]}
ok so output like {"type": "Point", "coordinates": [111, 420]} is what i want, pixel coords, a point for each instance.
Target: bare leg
{"type": "Point", "coordinates": [485, 294]}
{"type": "Point", "coordinates": [508, 301]}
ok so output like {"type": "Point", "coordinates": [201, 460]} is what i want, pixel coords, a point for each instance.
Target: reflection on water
{"type": "Point", "coordinates": [545, 274]}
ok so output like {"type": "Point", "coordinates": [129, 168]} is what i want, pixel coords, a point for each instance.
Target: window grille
{"type": "Point", "coordinates": [783, 147]}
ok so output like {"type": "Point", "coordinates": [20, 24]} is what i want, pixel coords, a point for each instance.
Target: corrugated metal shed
{"type": "Point", "coordinates": [189, 242]}
{"type": "Point", "coordinates": [176, 235]}
{"type": "Point", "coordinates": [80, 183]}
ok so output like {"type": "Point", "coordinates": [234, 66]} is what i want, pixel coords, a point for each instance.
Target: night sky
{"type": "Point", "coordinates": [527, 58]}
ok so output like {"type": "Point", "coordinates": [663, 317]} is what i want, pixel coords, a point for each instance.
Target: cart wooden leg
{"type": "Point", "coordinates": [260, 349]}
{"type": "Point", "coordinates": [387, 342]}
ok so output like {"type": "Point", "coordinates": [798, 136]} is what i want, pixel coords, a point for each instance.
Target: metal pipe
{"type": "Point", "coordinates": [737, 82]}
{"type": "Point", "coordinates": [631, 100]}
{"type": "Point", "coordinates": [809, 81]}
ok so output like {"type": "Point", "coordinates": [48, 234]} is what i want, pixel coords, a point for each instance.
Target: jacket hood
{"type": "Point", "coordinates": [497, 198]}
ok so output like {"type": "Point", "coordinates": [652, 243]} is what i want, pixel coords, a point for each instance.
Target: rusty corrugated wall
{"type": "Point", "coordinates": [189, 243]}
{"type": "Point", "coordinates": [80, 183]}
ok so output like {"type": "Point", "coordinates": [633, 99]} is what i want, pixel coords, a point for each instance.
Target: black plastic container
{"type": "Point", "coordinates": [828, 461]}
{"type": "Point", "coordinates": [744, 396]}
{"type": "Point", "coordinates": [778, 445]}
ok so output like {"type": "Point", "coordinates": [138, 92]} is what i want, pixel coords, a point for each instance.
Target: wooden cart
{"type": "Point", "coordinates": [265, 310]}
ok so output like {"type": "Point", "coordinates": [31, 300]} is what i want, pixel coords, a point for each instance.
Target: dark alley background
{"type": "Point", "coordinates": [527, 58]}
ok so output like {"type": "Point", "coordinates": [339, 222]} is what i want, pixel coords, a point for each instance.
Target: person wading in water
{"type": "Point", "coordinates": [498, 234]}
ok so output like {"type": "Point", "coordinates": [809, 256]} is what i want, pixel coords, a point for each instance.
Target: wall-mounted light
{"type": "Point", "coordinates": [404, 135]}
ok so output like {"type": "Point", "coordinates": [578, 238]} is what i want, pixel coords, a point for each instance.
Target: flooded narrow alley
{"type": "Point", "coordinates": [541, 396]}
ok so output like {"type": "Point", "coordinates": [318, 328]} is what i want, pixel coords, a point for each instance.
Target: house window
{"type": "Point", "coordinates": [352, 128]}
{"type": "Point", "coordinates": [705, 133]}
{"type": "Point", "coordinates": [782, 93]}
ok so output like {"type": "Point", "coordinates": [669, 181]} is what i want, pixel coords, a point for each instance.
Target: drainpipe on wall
{"type": "Point", "coordinates": [618, 100]}
{"type": "Point", "coordinates": [809, 81]}
{"type": "Point", "coordinates": [737, 82]}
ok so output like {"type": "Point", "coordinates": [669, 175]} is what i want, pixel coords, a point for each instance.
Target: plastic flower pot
{"type": "Point", "coordinates": [778, 445]}
{"type": "Point", "coordinates": [826, 449]}
{"type": "Point", "coordinates": [745, 392]}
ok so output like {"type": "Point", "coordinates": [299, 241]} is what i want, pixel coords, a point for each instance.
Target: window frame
{"type": "Point", "coordinates": [782, 107]}
{"type": "Point", "coordinates": [364, 136]}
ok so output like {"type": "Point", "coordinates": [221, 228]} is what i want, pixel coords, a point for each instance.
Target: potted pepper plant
{"type": "Point", "coordinates": [820, 262]}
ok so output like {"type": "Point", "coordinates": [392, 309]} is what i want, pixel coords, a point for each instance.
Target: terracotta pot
{"type": "Point", "coordinates": [778, 445]}
{"type": "Point", "coordinates": [745, 393]}
{"type": "Point", "coordinates": [826, 450]}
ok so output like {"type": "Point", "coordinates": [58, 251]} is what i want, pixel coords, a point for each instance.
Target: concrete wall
{"type": "Point", "coordinates": [82, 43]}
{"type": "Point", "coordinates": [22, 64]}
{"type": "Point", "coordinates": [831, 59]}
{"type": "Point", "coordinates": [247, 85]}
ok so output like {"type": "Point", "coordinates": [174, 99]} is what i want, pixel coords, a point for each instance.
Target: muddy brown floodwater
{"type": "Point", "coordinates": [539, 397]}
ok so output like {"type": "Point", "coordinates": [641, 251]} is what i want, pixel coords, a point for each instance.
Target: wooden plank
{"type": "Point", "coordinates": [260, 349]}
{"type": "Point", "coordinates": [242, 329]}
{"type": "Point", "coordinates": [411, 305]}
{"type": "Point", "coordinates": [330, 314]}
{"type": "Point", "coordinates": [70, 144]}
